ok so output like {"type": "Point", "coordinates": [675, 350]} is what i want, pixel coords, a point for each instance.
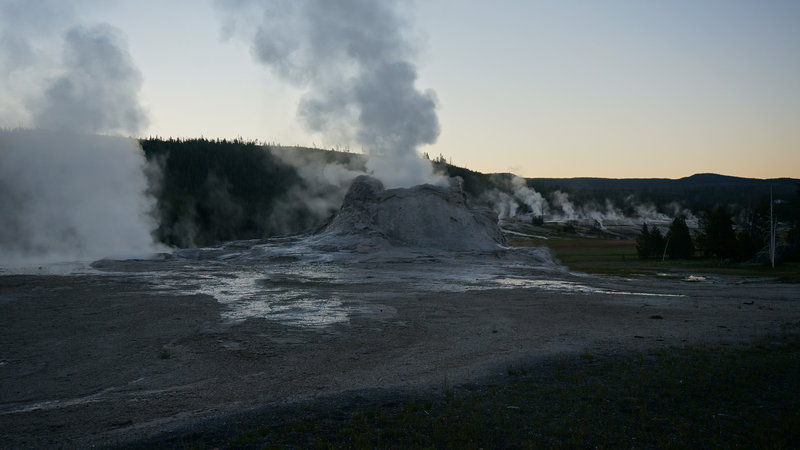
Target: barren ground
{"type": "Point", "coordinates": [111, 358]}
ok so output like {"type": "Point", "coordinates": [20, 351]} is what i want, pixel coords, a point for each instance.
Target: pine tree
{"type": "Point", "coordinates": [657, 243]}
{"type": "Point", "coordinates": [650, 243]}
{"type": "Point", "coordinates": [718, 238]}
{"type": "Point", "coordinates": [644, 243]}
{"type": "Point", "coordinates": [680, 245]}
{"type": "Point", "coordinates": [793, 237]}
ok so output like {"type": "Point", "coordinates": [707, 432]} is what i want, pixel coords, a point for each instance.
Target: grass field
{"type": "Point", "coordinates": [618, 257]}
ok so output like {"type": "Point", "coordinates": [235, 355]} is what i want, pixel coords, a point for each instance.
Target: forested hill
{"type": "Point", "coordinates": [701, 180]}
{"type": "Point", "coordinates": [211, 191]}
{"type": "Point", "coordinates": [697, 192]}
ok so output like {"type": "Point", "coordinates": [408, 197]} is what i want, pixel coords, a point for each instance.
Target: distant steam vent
{"type": "Point", "coordinates": [424, 216]}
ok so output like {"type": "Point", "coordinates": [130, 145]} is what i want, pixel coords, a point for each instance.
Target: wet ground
{"type": "Point", "coordinates": [117, 351]}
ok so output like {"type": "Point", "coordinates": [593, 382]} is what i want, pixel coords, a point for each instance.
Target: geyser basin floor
{"type": "Point", "coordinates": [98, 358]}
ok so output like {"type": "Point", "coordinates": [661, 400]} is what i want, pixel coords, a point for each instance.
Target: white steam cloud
{"type": "Point", "coordinates": [528, 196]}
{"type": "Point", "coordinates": [355, 63]}
{"type": "Point", "coordinates": [67, 194]}
{"type": "Point", "coordinates": [560, 208]}
{"type": "Point", "coordinates": [98, 89]}
{"type": "Point", "coordinates": [507, 204]}
{"type": "Point", "coordinates": [28, 54]}
{"type": "Point", "coordinates": [320, 193]}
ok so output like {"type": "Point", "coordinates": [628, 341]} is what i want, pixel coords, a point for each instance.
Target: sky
{"type": "Point", "coordinates": [620, 89]}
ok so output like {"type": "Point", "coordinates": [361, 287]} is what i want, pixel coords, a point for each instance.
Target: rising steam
{"type": "Point", "coordinates": [516, 198]}
{"type": "Point", "coordinates": [27, 32]}
{"type": "Point", "coordinates": [355, 63]}
{"type": "Point", "coordinates": [67, 196]}
{"type": "Point", "coordinates": [98, 89]}
{"type": "Point", "coordinates": [67, 193]}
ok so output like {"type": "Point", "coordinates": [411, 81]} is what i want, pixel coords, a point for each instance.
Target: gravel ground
{"type": "Point", "coordinates": [100, 359]}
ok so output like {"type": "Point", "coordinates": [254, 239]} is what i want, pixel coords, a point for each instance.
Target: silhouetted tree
{"type": "Point", "coordinates": [658, 242]}
{"type": "Point", "coordinates": [718, 238]}
{"type": "Point", "coordinates": [793, 237]}
{"type": "Point", "coordinates": [650, 243]}
{"type": "Point", "coordinates": [753, 235]}
{"type": "Point", "coordinates": [644, 243]}
{"type": "Point", "coordinates": [679, 240]}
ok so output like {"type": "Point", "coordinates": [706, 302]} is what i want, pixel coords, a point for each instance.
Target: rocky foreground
{"type": "Point", "coordinates": [101, 359]}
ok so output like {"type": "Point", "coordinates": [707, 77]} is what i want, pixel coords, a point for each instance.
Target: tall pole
{"type": "Point", "coordinates": [772, 229]}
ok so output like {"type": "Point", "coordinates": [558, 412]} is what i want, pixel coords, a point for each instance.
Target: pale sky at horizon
{"type": "Point", "coordinates": [618, 89]}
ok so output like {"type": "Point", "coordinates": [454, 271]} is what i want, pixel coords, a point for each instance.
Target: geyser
{"type": "Point", "coordinates": [356, 66]}
{"type": "Point", "coordinates": [66, 193]}
{"type": "Point", "coordinates": [69, 196]}
{"type": "Point", "coordinates": [424, 216]}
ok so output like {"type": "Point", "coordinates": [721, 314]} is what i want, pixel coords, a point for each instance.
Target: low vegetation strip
{"type": "Point", "coordinates": [745, 396]}
{"type": "Point", "coordinates": [618, 257]}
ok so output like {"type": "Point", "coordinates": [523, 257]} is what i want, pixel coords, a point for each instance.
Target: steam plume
{"type": "Point", "coordinates": [27, 36]}
{"type": "Point", "coordinates": [67, 194]}
{"type": "Point", "coordinates": [534, 200]}
{"type": "Point", "coordinates": [319, 195]}
{"type": "Point", "coordinates": [507, 204]}
{"type": "Point", "coordinates": [515, 192]}
{"type": "Point", "coordinates": [98, 90]}
{"type": "Point", "coordinates": [355, 63]}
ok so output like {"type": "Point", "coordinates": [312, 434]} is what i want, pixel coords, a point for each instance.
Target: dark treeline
{"type": "Point", "coordinates": [474, 183]}
{"type": "Point", "coordinates": [734, 212]}
{"type": "Point", "coordinates": [722, 236]}
{"type": "Point", "coordinates": [701, 192]}
{"type": "Point", "coordinates": [212, 191]}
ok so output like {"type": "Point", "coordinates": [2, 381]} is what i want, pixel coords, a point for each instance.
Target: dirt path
{"type": "Point", "coordinates": [100, 359]}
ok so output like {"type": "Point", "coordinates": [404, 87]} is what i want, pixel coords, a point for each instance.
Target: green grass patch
{"type": "Point", "coordinates": [745, 396]}
{"type": "Point", "coordinates": [618, 257]}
